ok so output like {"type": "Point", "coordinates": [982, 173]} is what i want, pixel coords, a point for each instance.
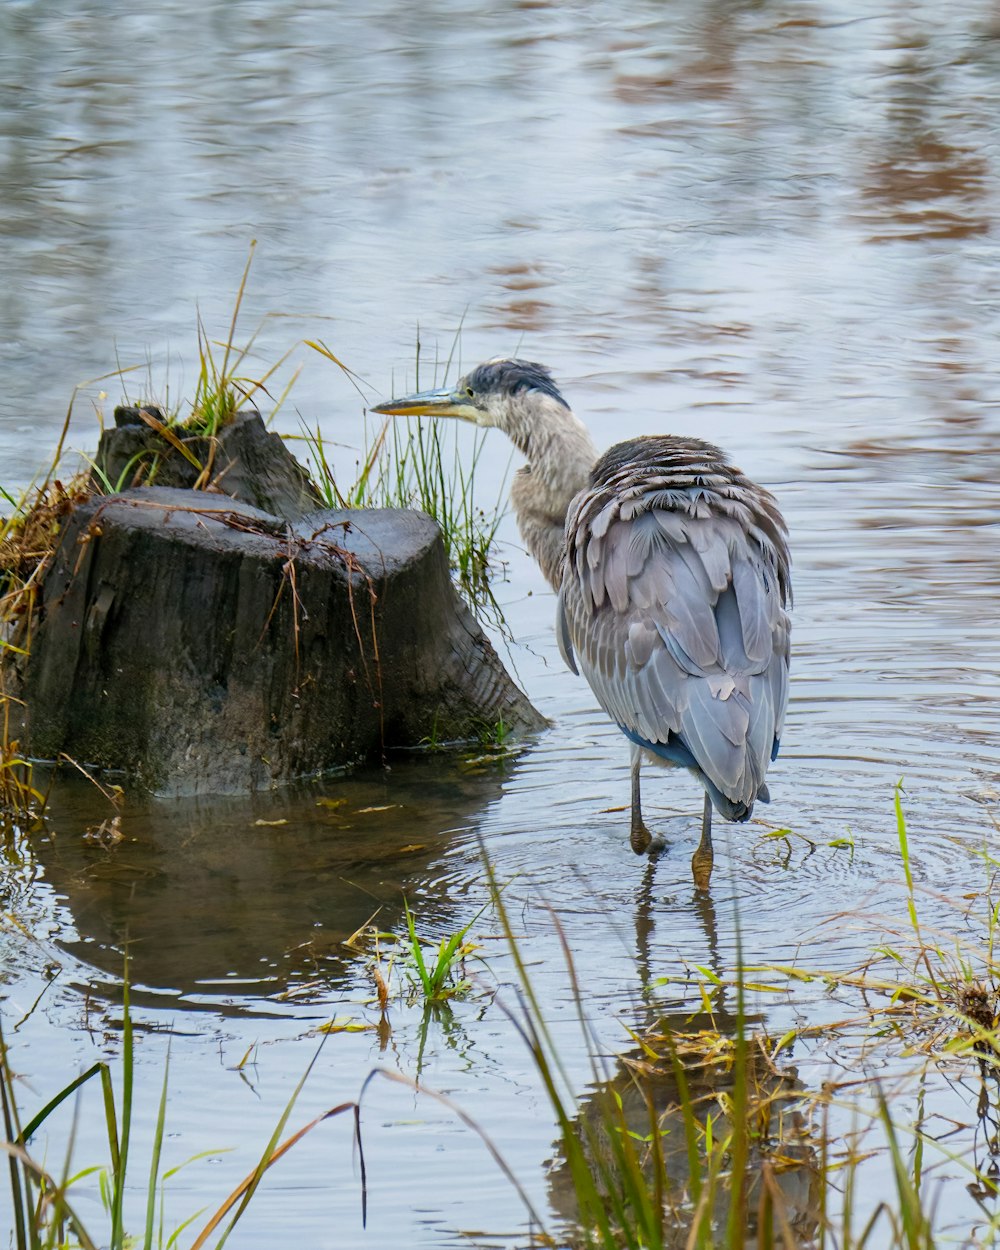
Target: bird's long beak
{"type": "Point", "coordinates": [443, 403]}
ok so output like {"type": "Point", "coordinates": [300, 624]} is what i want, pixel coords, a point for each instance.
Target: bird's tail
{"type": "Point", "coordinates": [731, 809]}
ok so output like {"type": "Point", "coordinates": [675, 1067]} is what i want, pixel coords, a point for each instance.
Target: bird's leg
{"type": "Point", "coordinates": [702, 860]}
{"type": "Point", "coordinates": [640, 837]}
{"type": "Point", "coordinates": [642, 840]}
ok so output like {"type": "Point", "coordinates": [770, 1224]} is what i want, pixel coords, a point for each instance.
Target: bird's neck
{"type": "Point", "coordinates": [560, 454]}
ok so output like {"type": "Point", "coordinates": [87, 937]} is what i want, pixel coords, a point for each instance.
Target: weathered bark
{"type": "Point", "coordinates": [204, 646]}
{"type": "Point", "coordinates": [244, 461]}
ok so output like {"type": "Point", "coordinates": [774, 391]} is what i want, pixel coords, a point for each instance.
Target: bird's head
{"type": "Point", "coordinates": [498, 393]}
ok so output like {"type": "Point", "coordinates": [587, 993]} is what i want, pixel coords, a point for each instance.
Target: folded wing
{"type": "Point", "coordinates": [672, 603]}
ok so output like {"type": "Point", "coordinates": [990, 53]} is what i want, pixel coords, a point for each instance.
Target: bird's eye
{"type": "Point", "coordinates": [470, 392]}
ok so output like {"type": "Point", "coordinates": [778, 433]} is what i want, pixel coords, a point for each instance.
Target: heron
{"type": "Point", "coordinates": [672, 572]}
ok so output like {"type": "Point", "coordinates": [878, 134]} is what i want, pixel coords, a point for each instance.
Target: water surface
{"type": "Point", "coordinates": [769, 225]}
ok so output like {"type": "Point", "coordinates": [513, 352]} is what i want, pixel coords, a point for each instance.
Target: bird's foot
{"type": "Point", "coordinates": [701, 868]}
{"type": "Point", "coordinates": [644, 842]}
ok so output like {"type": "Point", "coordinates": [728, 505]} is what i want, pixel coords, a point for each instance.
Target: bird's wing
{"type": "Point", "coordinates": [563, 636]}
{"type": "Point", "coordinates": [677, 622]}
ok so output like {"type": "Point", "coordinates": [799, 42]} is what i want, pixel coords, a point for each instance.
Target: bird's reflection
{"type": "Point", "coordinates": [702, 907]}
{"type": "Point", "coordinates": [652, 1132]}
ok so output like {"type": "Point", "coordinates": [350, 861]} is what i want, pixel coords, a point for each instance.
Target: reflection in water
{"type": "Point", "coordinates": [929, 186]}
{"type": "Point", "coordinates": [644, 1112]}
{"type": "Point", "coordinates": [676, 1100]}
{"type": "Point", "coordinates": [702, 910]}
{"type": "Point", "coordinates": [231, 904]}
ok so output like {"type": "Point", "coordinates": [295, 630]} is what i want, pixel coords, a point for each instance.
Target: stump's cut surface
{"type": "Point", "coordinates": [204, 646]}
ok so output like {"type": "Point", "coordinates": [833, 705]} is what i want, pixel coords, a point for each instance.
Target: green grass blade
{"type": "Point", "coordinates": [110, 1116]}
{"type": "Point", "coordinates": [154, 1165]}
{"type": "Point", "coordinates": [119, 1172]}
{"type": "Point", "coordinates": [904, 849]}
{"type": "Point", "coordinates": [915, 1227]}
{"type": "Point", "coordinates": [32, 1126]}
{"type": "Point", "coordinates": [739, 1146]}
{"type": "Point", "coordinates": [418, 955]}
{"type": "Point", "coordinates": [18, 1177]}
{"type": "Point", "coordinates": [174, 1236]}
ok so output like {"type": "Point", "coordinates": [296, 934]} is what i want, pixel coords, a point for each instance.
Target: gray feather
{"type": "Point", "coordinates": [563, 637]}
{"type": "Point", "coordinates": [672, 605]}
{"type": "Point", "coordinates": [755, 610]}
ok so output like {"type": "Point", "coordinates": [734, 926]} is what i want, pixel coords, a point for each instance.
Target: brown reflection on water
{"type": "Point", "coordinates": [926, 189]}
{"type": "Point", "coordinates": [638, 1100]}
{"type": "Point", "coordinates": [926, 177]}
{"type": "Point", "coordinates": [783, 1155]}
{"type": "Point", "coordinates": [231, 902]}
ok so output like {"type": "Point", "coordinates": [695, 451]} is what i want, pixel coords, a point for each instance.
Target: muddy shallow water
{"type": "Point", "coordinates": [769, 225]}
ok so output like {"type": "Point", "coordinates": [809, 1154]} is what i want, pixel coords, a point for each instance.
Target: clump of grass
{"type": "Point", "coordinates": [417, 463]}
{"type": "Point", "coordinates": [28, 537]}
{"type": "Point", "coordinates": [434, 971]}
{"type": "Point", "coordinates": [224, 385]}
{"type": "Point", "coordinates": [495, 735]}
{"type": "Point", "coordinates": [22, 804]}
{"type": "Point", "coordinates": [438, 970]}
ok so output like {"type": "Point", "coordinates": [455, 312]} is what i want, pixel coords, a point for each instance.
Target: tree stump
{"type": "Point", "coordinates": [205, 646]}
